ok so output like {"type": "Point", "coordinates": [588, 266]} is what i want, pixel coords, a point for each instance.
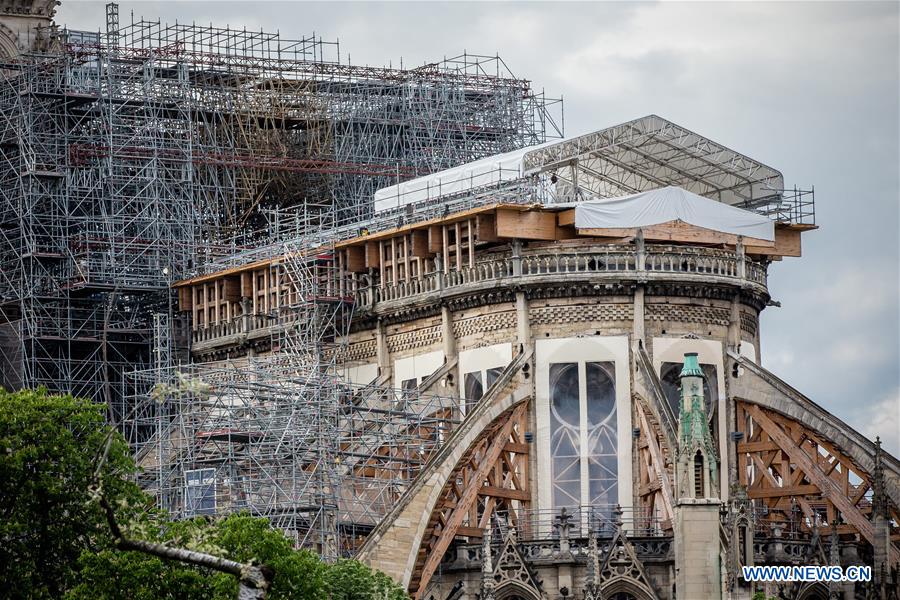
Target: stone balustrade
{"type": "Point", "coordinates": [539, 265]}
{"type": "Point", "coordinates": [658, 548]}
{"type": "Point", "coordinates": [547, 551]}
{"type": "Point", "coordinates": [237, 328]}
{"type": "Point", "coordinates": [604, 263]}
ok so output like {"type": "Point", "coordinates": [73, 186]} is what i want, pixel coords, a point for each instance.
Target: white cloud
{"type": "Point", "coordinates": [708, 45]}
{"type": "Point", "coordinates": [882, 418]}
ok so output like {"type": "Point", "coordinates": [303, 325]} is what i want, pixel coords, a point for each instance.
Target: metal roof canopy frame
{"type": "Point", "coordinates": [651, 152]}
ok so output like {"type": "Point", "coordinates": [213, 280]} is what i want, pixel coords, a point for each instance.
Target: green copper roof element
{"type": "Point", "coordinates": [693, 427]}
{"type": "Point", "coordinates": [691, 366]}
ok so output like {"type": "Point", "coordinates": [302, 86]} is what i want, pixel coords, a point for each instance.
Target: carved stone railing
{"type": "Point", "coordinates": [467, 557]}
{"type": "Point", "coordinates": [609, 262]}
{"type": "Point", "coordinates": [242, 326]}
{"type": "Point", "coordinates": [539, 265]}
{"type": "Point", "coordinates": [234, 326]}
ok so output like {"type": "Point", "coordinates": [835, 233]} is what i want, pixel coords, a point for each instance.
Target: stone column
{"type": "Point", "coordinates": [516, 247]}
{"type": "Point", "coordinates": [487, 568]}
{"type": "Point", "coordinates": [450, 354]}
{"type": "Point", "coordinates": [245, 315]}
{"type": "Point", "coordinates": [641, 260]}
{"type": "Point", "coordinates": [447, 336]}
{"type": "Point", "coordinates": [881, 520]}
{"type": "Point", "coordinates": [697, 563]}
{"type": "Point", "coordinates": [523, 324]}
{"type": "Point", "coordinates": [381, 349]}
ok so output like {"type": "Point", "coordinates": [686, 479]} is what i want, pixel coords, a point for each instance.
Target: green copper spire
{"type": "Point", "coordinates": [693, 430]}
{"type": "Point", "coordinates": [691, 366]}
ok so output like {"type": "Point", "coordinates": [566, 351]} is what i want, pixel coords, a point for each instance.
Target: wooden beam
{"type": "Point", "coordinates": [442, 220]}
{"type": "Point", "coordinates": [435, 239]}
{"type": "Point", "coordinates": [486, 228]}
{"type": "Point", "coordinates": [777, 492]}
{"type": "Point", "coordinates": [231, 271]}
{"type": "Point", "coordinates": [185, 298]}
{"type": "Point", "coordinates": [419, 244]}
{"type": "Point", "coordinates": [232, 289]}
{"type": "Point", "coordinates": [661, 472]}
{"type": "Point", "coordinates": [355, 257]}
{"type": "Point", "coordinates": [500, 492]}
{"type": "Point", "coordinates": [827, 486]}
{"type": "Point", "coordinates": [373, 255]}
{"type": "Point", "coordinates": [748, 447]}
{"type": "Point", "coordinates": [566, 217]}
{"type": "Point", "coordinates": [516, 447]}
{"type": "Point", "coordinates": [468, 496]}
{"type": "Point", "coordinates": [533, 225]}
{"type": "Point", "coordinates": [678, 231]}
{"type": "Point", "coordinates": [649, 487]}
{"type": "Point", "coordinates": [787, 243]}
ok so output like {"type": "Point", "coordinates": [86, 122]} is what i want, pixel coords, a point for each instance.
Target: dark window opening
{"type": "Point", "coordinates": [671, 385]}
{"type": "Point", "coordinates": [200, 492]}
{"type": "Point", "coordinates": [408, 392]}
{"type": "Point", "coordinates": [492, 376]}
{"type": "Point", "coordinates": [474, 388]}
{"type": "Point", "coordinates": [698, 475]}
{"type": "Point", "coordinates": [742, 545]}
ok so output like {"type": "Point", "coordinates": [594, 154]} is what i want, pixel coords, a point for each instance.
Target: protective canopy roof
{"type": "Point", "coordinates": [491, 170]}
{"type": "Point", "coordinates": [669, 204]}
{"type": "Point", "coordinates": [643, 154]}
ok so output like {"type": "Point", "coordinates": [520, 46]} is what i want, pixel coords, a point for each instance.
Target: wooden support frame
{"type": "Point", "coordinates": [786, 242]}
{"type": "Point", "coordinates": [785, 464]}
{"type": "Point", "coordinates": [355, 259]}
{"type": "Point", "coordinates": [486, 228]}
{"type": "Point", "coordinates": [373, 255]}
{"type": "Point", "coordinates": [532, 225]}
{"type": "Point", "coordinates": [419, 244]}
{"type": "Point", "coordinates": [655, 484]}
{"type": "Point", "coordinates": [491, 475]}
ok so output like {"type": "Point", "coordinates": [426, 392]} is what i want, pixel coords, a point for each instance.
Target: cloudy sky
{"type": "Point", "coordinates": [812, 89]}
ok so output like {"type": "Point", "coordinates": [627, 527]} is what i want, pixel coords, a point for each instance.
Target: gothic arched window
{"type": "Point", "coordinates": [583, 434]}
{"type": "Point", "coordinates": [565, 434]}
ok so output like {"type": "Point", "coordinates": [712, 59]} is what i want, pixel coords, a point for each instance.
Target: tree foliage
{"type": "Point", "coordinates": [114, 574]}
{"type": "Point", "coordinates": [299, 575]}
{"type": "Point", "coordinates": [47, 447]}
{"type": "Point", "coordinates": [56, 543]}
{"type": "Point", "coordinates": [352, 580]}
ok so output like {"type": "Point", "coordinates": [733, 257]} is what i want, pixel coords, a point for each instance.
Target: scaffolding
{"type": "Point", "coordinates": [322, 459]}
{"type": "Point", "coordinates": [131, 158]}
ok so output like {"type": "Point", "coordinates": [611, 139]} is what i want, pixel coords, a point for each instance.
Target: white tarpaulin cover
{"type": "Point", "coordinates": [668, 204]}
{"type": "Point", "coordinates": [493, 169]}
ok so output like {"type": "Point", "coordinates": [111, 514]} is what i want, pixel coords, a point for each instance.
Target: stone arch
{"type": "Point", "coordinates": [512, 590]}
{"type": "Point", "coordinates": [9, 42]}
{"type": "Point", "coordinates": [626, 585]}
{"type": "Point", "coordinates": [758, 386]}
{"type": "Point", "coordinates": [394, 546]}
{"type": "Point", "coordinates": [813, 591]}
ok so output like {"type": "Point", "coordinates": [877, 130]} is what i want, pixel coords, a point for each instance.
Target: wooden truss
{"type": "Point", "coordinates": [801, 478]}
{"type": "Point", "coordinates": [491, 477]}
{"type": "Point", "coordinates": [656, 467]}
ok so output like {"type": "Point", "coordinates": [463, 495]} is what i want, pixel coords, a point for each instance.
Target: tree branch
{"type": "Point", "coordinates": [254, 580]}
